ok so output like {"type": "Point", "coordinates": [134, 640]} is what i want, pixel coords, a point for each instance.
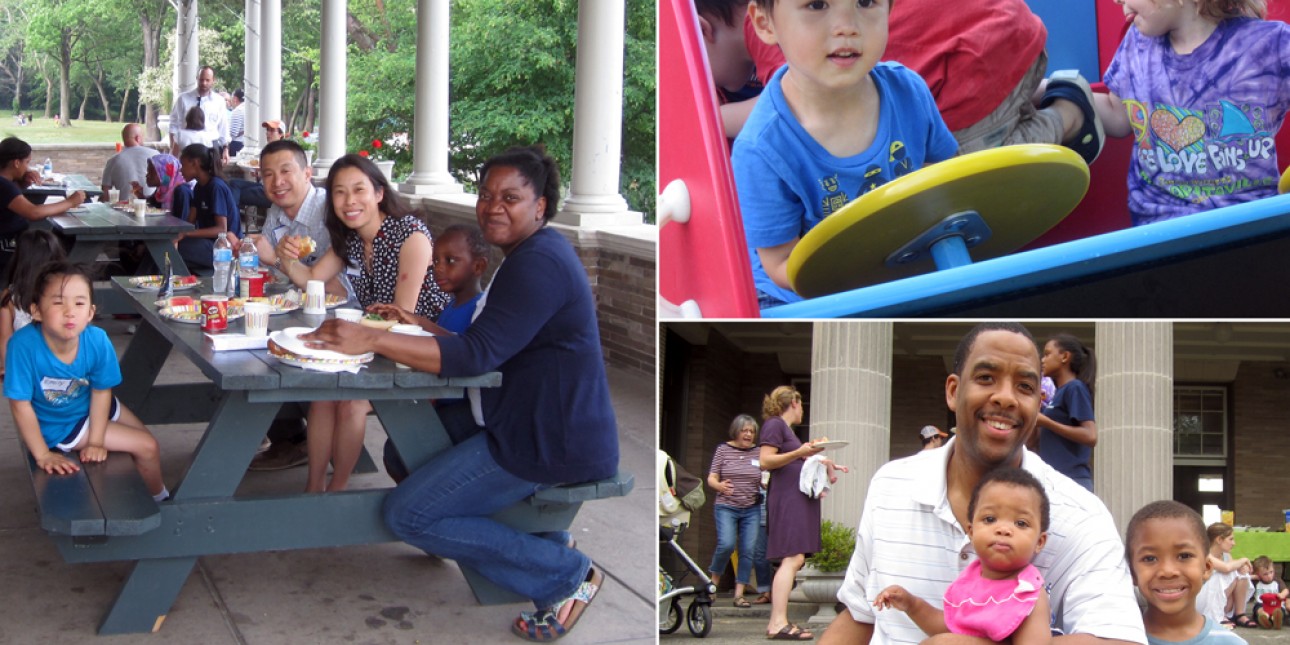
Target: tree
{"type": "Point", "coordinates": [57, 29]}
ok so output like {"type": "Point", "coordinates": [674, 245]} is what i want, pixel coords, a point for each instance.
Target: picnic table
{"type": "Point", "coordinates": [94, 226]}
{"type": "Point", "coordinates": [245, 392]}
{"type": "Point", "coordinates": [38, 193]}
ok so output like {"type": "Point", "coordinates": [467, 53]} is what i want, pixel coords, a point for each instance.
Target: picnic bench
{"type": "Point", "coordinates": [204, 515]}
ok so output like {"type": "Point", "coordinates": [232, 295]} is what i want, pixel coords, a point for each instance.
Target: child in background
{"type": "Point", "coordinates": [1165, 544]}
{"type": "Point", "coordinates": [61, 371]}
{"type": "Point", "coordinates": [1000, 595]}
{"type": "Point", "coordinates": [1269, 594]}
{"type": "Point", "coordinates": [194, 131]}
{"type": "Point", "coordinates": [1201, 86]}
{"type": "Point", "coordinates": [1068, 430]}
{"type": "Point", "coordinates": [34, 249]}
{"type": "Point", "coordinates": [830, 126]}
{"type": "Point", "coordinates": [741, 64]}
{"type": "Point", "coordinates": [1228, 589]}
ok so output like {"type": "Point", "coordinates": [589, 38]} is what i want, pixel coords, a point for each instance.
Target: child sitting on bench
{"type": "Point", "coordinates": [60, 371]}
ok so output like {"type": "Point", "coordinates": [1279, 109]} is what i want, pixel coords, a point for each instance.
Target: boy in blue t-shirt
{"type": "Point", "coordinates": [60, 372]}
{"type": "Point", "coordinates": [831, 125]}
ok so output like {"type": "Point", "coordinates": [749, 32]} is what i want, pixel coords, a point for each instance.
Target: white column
{"type": "Point", "coordinates": [334, 75]}
{"type": "Point", "coordinates": [851, 400]}
{"type": "Point", "coordinates": [251, 82]}
{"type": "Point", "coordinates": [594, 199]}
{"type": "Point", "coordinates": [188, 73]}
{"type": "Point", "coordinates": [1133, 460]}
{"type": "Point", "coordinates": [270, 60]}
{"type": "Point", "coordinates": [430, 129]}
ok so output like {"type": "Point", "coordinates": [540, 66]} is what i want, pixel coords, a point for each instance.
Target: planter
{"type": "Point", "coordinates": [387, 168]}
{"type": "Point", "coordinates": [822, 588]}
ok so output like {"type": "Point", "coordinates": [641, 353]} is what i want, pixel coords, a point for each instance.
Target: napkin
{"type": "Point", "coordinates": [225, 342]}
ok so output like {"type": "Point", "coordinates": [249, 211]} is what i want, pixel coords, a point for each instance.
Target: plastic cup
{"type": "Point", "coordinates": [315, 298]}
{"type": "Point", "coordinates": [113, 195]}
{"type": "Point", "coordinates": [410, 330]}
{"type": "Point", "coordinates": [350, 315]}
{"type": "Point", "coordinates": [140, 208]}
{"type": "Point", "coordinates": [256, 318]}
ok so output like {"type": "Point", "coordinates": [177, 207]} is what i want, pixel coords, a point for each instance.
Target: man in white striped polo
{"type": "Point", "coordinates": [912, 531]}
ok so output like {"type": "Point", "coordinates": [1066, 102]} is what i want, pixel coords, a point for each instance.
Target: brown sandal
{"type": "Point", "coordinates": [762, 599]}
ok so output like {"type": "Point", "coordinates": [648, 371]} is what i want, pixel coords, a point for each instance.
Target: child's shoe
{"type": "Point", "coordinates": [1068, 84]}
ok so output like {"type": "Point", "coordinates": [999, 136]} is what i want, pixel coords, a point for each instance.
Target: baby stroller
{"type": "Point", "coordinates": [679, 494]}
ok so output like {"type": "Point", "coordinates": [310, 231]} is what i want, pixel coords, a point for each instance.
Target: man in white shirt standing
{"type": "Point", "coordinates": [913, 528]}
{"type": "Point", "coordinates": [236, 121]}
{"type": "Point", "coordinates": [130, 165]}
{"type": "Point", "coordinates": [212, 106]}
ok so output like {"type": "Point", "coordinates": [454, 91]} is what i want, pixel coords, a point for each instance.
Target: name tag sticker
{"type": "Point", "coordinates": [351, 271]}
{"type": "Point", "coordinates": [51, 384]}
{"type": "Point", "coordinates": [756, 462]}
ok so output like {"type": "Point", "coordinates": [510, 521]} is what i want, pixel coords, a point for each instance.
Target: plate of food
{"type": "Point", "coordinates": [282, 303]}
{"type": "Point", "coordinates": [828, 444]}
{"type": "Point", "coordinates": [286, 344]}
{"type": "Point", "coordinates": [192, 314]}
{"type": "Point", "coordinates": [179, 282]}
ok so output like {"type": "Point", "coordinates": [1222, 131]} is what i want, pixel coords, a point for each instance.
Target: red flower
{"type": "Point", "coordinates": [362, 153]}
{"type": "Point", "coordinates": [305, 134]}
{"type": "Point", "coordinates": [376, 143]}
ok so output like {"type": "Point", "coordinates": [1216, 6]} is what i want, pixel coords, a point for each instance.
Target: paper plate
{"type": "Point", "coordinates": [289, 340]}
{"type": "Point", "coordinates": [280, 303]}
{"type": "Point", "coordinates": [180, 282]}
{"type": "Point", "coordinates": [192, 313]}
{"type": "Point", "coordinates": [833, 443]}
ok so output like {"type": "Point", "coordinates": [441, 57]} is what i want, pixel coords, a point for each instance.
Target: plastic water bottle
{"type": "Point", "coordinates": [248, 256]}
{"type": "Point", "coordinates": [223, 261]}
{"type": "Point", "coordinates": [48, 168]}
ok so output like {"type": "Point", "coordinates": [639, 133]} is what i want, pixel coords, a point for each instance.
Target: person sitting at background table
{"type": "Point", "coordinates": [213, 211]}
{"type": "Point", "coordinates": [15, 209]}
{"type": "Point", "coordinates": [385, 251]}
{"type": "Point", "coordinates": [170, 192]}
{"type": "Point", "coordinates": [550, 422]}
{"type": "Point", "coordinates": [193, 131]}
{"type": "Point", "coordinates": [130, 166]}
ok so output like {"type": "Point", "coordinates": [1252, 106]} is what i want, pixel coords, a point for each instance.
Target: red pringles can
{"type": "Point", "coordinates": [214, 313]}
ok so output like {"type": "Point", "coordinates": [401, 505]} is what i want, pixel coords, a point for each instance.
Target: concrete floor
{"type": "Point", "coordinates": [387, 593]}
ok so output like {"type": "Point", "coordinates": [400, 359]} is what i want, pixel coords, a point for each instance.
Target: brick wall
{"type": "Point", "coordinates": [1261, 403]}
{"type": "Point", "coordinates": [916, 401]}
{"type": "Point", "coordinates": [75, 158]}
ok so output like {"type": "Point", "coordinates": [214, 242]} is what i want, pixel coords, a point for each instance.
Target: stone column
{"type": "Point", "coordinates": [851, 400]}
{"type": "Point", "coordinates": [1133, 460]}
{"type": "Point", "coordinates": [334, 75]}
{"type": "Point", "coordinates": [251, 81]}
{"type": "Point", "coordinates": [430, 129]}
{"type": "Point", "coordinates": [185, 48]}
{"type": "Point", "coordinates": [594, 199]}
{"type": "Point", "coordinates": [271, 60]}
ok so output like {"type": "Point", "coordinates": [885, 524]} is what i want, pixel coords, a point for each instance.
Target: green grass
{"type": "Point", "coordinates": [44, 131]}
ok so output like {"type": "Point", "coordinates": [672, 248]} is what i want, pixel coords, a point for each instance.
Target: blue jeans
{"type": "Point", "coordinates": [761, 566]}
{"type": "Point", "coordinates": [732, 523]}
{"type": "Point", "coordinates": [444, 507]}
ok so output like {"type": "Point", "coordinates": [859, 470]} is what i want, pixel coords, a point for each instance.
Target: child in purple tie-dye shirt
{"type": "Point", "coordinates": [1203, 87]}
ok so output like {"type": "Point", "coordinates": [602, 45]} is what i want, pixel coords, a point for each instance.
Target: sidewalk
{"type": "Point", "coordinates": [385, 593]}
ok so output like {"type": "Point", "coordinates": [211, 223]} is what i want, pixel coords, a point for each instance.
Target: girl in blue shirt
{"type": "Point", "coordinates": [1067, 429]}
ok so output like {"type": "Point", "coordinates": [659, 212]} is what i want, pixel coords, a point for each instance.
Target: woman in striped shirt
{"type": "Point", "coordinates": [736, 476]}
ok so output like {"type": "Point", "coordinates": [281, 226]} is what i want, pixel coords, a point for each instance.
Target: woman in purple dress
{"type": "Point", "coordinates": [793, 521]}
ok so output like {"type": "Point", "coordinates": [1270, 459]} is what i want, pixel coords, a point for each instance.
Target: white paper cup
{"type": "Point", "coordinates": [113, 195]}
{"type": "Point", "coordinates": [410, 330]}
{"type": "Point", "coordinates": [140, 208]}
{"type": "Point", "coordinates": [315, 298]}
{"type": "Point", "coordinates": [256, 318]}
{"type": "Point", "coordinates": [350, 315]}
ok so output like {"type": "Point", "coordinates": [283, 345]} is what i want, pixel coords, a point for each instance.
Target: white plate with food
{"type": "Point", "coordinates": [179, 282]}
{"type": "Point", "coordinates": [192, 314]}
{"type": "Point", "coordinates": [295, 349]}
{"type": "Point", "coordinates": [832, 443]}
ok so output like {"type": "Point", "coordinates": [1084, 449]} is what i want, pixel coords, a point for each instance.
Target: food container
{"type": "Point", "coordinates": [252, 284]}
{"type": "Point", "coordinates": [214, 315]}
{"type": "Point", "coordinates": [1229, 518]}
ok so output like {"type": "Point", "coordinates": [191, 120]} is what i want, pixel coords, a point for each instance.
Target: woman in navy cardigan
{"type": "Point", "coordinates": [551, 421]}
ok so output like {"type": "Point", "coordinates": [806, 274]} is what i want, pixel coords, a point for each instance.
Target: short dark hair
{"type": "Point", "coordinates": [286, 145]}
{"type": "Point", "coordinates": [13, 149]}
{"type": "Point", "coordinates": [472, 235]}
{"type": "Point", "coordinates": [538, 168]}
{"type": "Point", "coordinates": [726, 10]}
{"type": "Point", "coordinates": [195, 119]}
{"type": "Point", "coordinates": [965, 345]}
{"type": "Point", "coordinates": [1014, 477]}
{"type": "Point", "coordinates": [63, 268]}
{"type": "Point", "coordinates": [1164, 509]}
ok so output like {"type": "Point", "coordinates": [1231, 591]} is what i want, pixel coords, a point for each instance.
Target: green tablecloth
{"type": "Point", "coordinates": [1252, 545]}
